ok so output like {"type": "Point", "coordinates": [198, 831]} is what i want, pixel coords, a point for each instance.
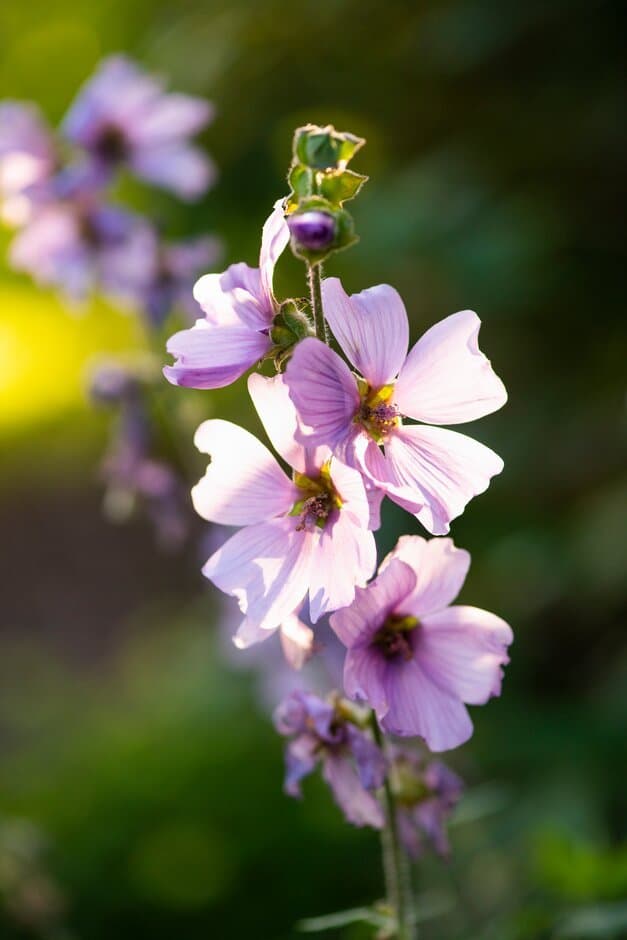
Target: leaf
{"type": "Point", "coordinates": [339, 185]}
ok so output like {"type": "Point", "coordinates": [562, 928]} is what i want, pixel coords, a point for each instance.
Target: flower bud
{"type": "Point", "coordinates": [313, 230]}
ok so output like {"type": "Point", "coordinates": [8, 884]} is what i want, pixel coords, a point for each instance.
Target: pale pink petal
{"type": "Point", "coordinates": [440, 570]}
{"type": "Point", "coordinates": [213, 357]}
{"type": "Point", "coordinates": [297, 641]}
{"type": "Point", "coordinates": [357, 624]}
{"type": "Point", "coordinates": [444, 468]}
{"type": "Point", "coordinates": [243, 483]}
{"type": "Point", "coordinates": [417, 706]}
{"type": "Point", "coordinates": [324, 392]}
{"type": "Point", "coordinates": [447, 379]}
{"type": "Point", "coordinates": [462, 649]}
{"type": "Point", "coordinates": [371, 327]}
{"type": "Point", "coordinates": [234, 297]}
{"type": "Point", "coordinates": [182, 168]}
{"type": "Point", "coordinates": [274, 406]}
{"type": "Point", "coordinates": [359, 806]}
{"type": "Point", "coordinates": [365, 676]}
{"type": "Point", "coordinates": [266, 567]}
{"type": "Point", "coordinates": [274, 238]}
{"type": "Point", "coordinates": [345, 556]}
{"type": "Point", "coordinates": [350, 487]}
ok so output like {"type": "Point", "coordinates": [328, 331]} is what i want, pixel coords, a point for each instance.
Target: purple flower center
{"type": "Point", "coordinates": [394, 638]}
{"type": "Point", "coordinates": [377, 414]}
{"type": "Point", "coordinates": [319, 500]}
{"type": "Point", "coordinates": [110, 144]}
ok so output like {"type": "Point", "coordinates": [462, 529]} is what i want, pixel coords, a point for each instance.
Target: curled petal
{"type": "Point", "coordinates": [371, 327]}
{"type": "Point", "coordinates": [243, 483]}
{"type": "Point", "coordinates": [274, 238]}
{"type": "Point", "coordinates": [301, 757]}
{"type": "Point", "coordinates": [359, 806]}
{"type": "Point", "coordinates": [233, 298]}
{"type": "Point", "coordinates": [297, 641]}
{"type": "Point", "coordinates": [213, 357]}
{"type": "Point", "coordinates": [446, 378]}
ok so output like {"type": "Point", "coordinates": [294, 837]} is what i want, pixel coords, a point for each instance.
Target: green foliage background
{"type": "Point", "coordinates": [139, 777]}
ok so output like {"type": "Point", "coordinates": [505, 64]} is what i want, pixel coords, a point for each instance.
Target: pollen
{"type": "Point", "coordinates": [320, 499]}
{"type": "Point", "coordinates": [394, 638]}
{"type": "Point", "coordinates": [377, 414]}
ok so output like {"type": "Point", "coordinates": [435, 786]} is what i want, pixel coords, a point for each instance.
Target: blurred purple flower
{"type": "Point", "coordinates": [27, 159]}
{"type": "Point", "coordinates": [427, 793]}
{"type": "Point", "coordinates": [352, 764]}
{"type": "Point", "coordinates": [131, 474]}
{"type": "Point", "coordinates": [176, 268]}
{"type": "Point", "coordinates": [122, 116]}
{"type": "Point", "coordinates": [80, 245]}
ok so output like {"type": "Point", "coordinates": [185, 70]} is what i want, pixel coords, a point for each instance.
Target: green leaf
{"type": "Point", "coordinates": [357, 915]}
{"type": "Point", "coordinates": [339, 185]}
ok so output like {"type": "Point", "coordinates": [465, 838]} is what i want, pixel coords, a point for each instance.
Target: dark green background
{"type": "Point", "coordinates": [139, 778]}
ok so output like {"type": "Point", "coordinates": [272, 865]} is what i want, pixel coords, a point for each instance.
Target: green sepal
{"type": "Point", "coordinates": [340, 185]}
{"type": "Point", "coordinates": [323, 148]}
{"type": "Point", "coordinates": [301, 181]}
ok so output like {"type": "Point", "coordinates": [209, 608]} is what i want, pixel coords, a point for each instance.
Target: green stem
{"type": "Point", "coordinates": [397, 886]}
{"type": "Point", "coordinates": [315, 292]}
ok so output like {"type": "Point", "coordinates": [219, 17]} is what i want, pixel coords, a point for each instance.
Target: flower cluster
{"type": "Point", "coordinates": [352, 431]}
{"type": "Point", "coordinates": [55, 188]}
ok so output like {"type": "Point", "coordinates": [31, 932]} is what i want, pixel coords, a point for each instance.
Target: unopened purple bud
{"type": "Point", "coordinates": [313, 230]}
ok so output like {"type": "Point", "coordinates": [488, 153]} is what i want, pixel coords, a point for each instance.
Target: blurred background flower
{"type": "Point", "coordinates": [495, 151]}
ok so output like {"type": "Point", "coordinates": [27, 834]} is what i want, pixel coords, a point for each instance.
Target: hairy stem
{"type": "Point", "coordinates": [315, 279]}
{"type": "Point", "coordinates": [397, 886]}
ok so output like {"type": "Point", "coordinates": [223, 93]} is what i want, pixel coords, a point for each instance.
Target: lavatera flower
{"type": "Point", "coordinates": [415, 659]}
{"type": "Point", "coordinates": [239, 307]}
{"type": "Point", "coordinates": [431, 471]}
{"type": "Point", "coordinates": [304, 534]}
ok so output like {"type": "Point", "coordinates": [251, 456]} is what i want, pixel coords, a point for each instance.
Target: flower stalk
{"type": "Point", "coordinates": [395, 872]}
{"type": "Point", "coordinates": [314, 272]}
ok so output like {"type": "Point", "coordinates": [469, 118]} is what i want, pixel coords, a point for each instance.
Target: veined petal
{"type": "Point", "coordinates": [234, 297]}
{"type": "Point", "coordinates": [462, 649]}
{"type": "Point", "coordinates": [371, 327]}
{"type": "Point", "coordinates": [440, 570]}
{"type": "Point", "coordinates": [345, 556]}
{"type": "Point", "coordinates": [266, 567]}
{"type": "Point", "coordinates": [213, 357]}
{"type": "Point", "coordinates": [443, 468]}
{"type": "Point", "coordinates": [446, 378]}
{"type": "Point", "coordinates": [243, 483]}
{"type": "Point", "coordinates": [356, 625]}
{"type": "Point", "coordinates": [324, 392]}
{"type": "Point", "coordinates": [249, 634]}
{"type": "Point", "coordinates": [417, 706]}
{"type": "Point", "coordinates": [274, 238]}
{"type": "Point", "coordinates": [365, 675]}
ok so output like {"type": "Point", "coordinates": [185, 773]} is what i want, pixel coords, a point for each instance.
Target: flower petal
{"type": "Point", "coordinates": [356, 625]}
{"type": "Point", "coordinates": [274, 406]}
{"type": "Point", "coordinates": [266, 567]}
{"type": "Point", "coordinates": [234, 297]}
{"type": "Point", "coordinates": [171, 116]}
{"type": "Point", "coordinates": [274, 238]}
{"type": "Point", "coordinates": [243, 483]}
{"type": "Point", "coordinates": [446, 378]}
{"type": "Point", "coordinates": [371, 327]}
{"type": "Point", "coordinates": [213, 357]}
{"type": "Point", "coordinates": [324, 392]}
{"type": "Point", "coordinates": [297, 641]}
{"type": "Point", "coordinates": [440, 570]}
{"type": "Point", "coordinates": [345, 556]}
{"type": "Point", "coordinates": [359, 806]}
{"type": "Point", "coordinates": [442, 468]}
{"type": "Point", "coordinates": [417, 706]}
{"type": "Point", "coordinates": [462, 649]}
{"type": "Point", "coordinates": [179, 167]}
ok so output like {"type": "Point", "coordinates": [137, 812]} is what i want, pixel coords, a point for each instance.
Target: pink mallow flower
{"type": "Point", "coordinates": [122, 116]}
{"type": "Point", "coordinates": [414, 658]}
{"type": "Point", "coordinates": [239, 307]}
{"type": "Point", "coordinates": [445, 379]}
{"type": "Point", "coordinates": [304, 534]}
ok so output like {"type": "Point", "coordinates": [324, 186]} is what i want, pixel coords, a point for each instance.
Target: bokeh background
{"type": "Point", "coordinates": [140, 778]}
